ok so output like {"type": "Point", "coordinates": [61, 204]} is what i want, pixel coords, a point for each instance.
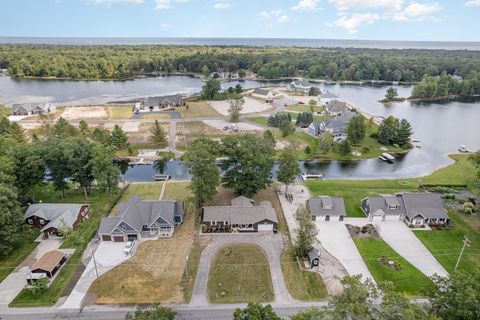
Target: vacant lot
{"type": "Point", "coordinates": [189, 131]}
{"type": "Point", "coordinates": [85, 113]}
{"type": "Point", "coordinates": [198, 109]}
{"type": "Point", "coordinates": [240, 273]}
{"type": "Point", "coordinates": [119, 112]}
{"type": "Point", "coordinates": [155, 116]}
{"type": "Point", "coordinates": [251, 105]}
{"type": "Point", "coordinates": [155, 272]}
{"type": "Point", "coordinates": [406, 278]}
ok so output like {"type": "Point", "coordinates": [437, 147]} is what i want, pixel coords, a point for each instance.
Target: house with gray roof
{"type": "Point", "coordinates": [326, 97]}
{"type": "Point", "coordinates": [326, 208]}
{"type": "Point", "coordinates": [27, 109]}
{"type": "Point", "coordinates": [337, 126]}
{"type": "Point", "coordinates": [336, 107]}
{"type": "Point", "coordinates": [139, 219]}
{"type": "Point", "coordinates": [159, 103]}
{"type": "Point", "coordinates": [300, 86]}
{"type": "Point", "coordinates": [416, 209]}
{"type": "Point", "coordinates": [241, 216]}
{"type": "Point", "coordinates": [263, 94]}
{"type": "Point", "coordinates": [52, 218]}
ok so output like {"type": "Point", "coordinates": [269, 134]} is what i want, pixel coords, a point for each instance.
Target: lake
{"type": "Point", "coordinates": [440, 127]}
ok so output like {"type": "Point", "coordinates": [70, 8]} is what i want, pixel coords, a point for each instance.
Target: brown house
{"type": "Point", "coordinates": [51, 218]}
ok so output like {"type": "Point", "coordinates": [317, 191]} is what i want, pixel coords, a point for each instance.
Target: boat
{"type": "Point", "coordinates": [161, 177]}
{"type": "Point", "coordinates": [220, 160]}
{"type": "Point", "coordinates": [463, 149]}
{"type": "Point", "coordinates": [386, 157]}
{"type": "Point", "coordinates": [311, 175]}
{"type": "Point", "coordinates": [140, 162]}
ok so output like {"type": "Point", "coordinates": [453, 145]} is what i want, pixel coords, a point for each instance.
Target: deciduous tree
{"type": "Point", "coordinates": [306, 232]}
{"type": "Point", "coordinates": [255, 311]}
{"type": "Point", "coordinates": [236, 106]}
{"type": "Point", "coordinates": [356, 129]}
{"type": "Point", "coordinates": [288, 167]}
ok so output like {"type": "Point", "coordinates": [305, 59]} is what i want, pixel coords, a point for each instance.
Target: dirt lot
{"type": "Point", "coordinates": [251, 105]}
{"type": "Point", "coordinates": [142, 136]}
{"type": "Point", "coordinates": [85, 113]}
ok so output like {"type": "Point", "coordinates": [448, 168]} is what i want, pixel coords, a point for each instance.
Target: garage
{"type": "Point", "coordinates": [376, 218]}
{"type": "Point", "coordinates": [267, 227]}
{"type": "Point", "coordinates": [392, 217]}
{"type": "Point", "coordinates": [118, 239]}
{"type": "Point", "coordinates": [106, 237]}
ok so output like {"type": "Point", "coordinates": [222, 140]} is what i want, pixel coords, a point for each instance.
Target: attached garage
{"type": "Point", "coordinates": [392, 217]}
{"type": "Point", "coordinates": [106, 237]}
{"type": "Point", "coordinates": [376, 218]}
{"type": "Point", "coordinates": [118, 239]}
{"type": "Point", "coordinates": [265, 227]}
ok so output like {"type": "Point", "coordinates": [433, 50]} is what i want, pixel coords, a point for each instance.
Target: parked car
{"type": "Point", "coordinates": [301, 102]}
{"type": "Point", "coordinates": [234, 127]}
{"type": "Point", "coordinates": [226, 128]}
{"type": "Point", "coordinates": [129, 247]}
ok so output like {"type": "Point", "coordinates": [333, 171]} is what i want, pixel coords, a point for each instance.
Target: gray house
{"type": "Point", "coordinates": [26, 109]}
{"type": "Point", "coordinates": [241, 216]}
{"type": "Point", "coordinates": [336, 107]}
{"type": "Point", "coordinates": [162, 102]}
{"type": "Point", "coordinates": [300, 85]}
{"type": "Point", "coordinates": [326, 97]}
{"type": "Point", "coordinates": [416, 209]}
{"type": "Point", "coordinates": [139, 219]}
{"type": "Point", "coordinates": [336, 126]}
{"type": "Point", "coordinates": [264, 94]}
{"type": "Point", "coordinates": [326, 208]}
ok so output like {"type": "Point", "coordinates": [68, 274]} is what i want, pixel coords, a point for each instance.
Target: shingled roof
{"type": "Point", "coordinates": [57, 213]}
{"type": "Point", "coordinates": [326, 205]}
{"type": "Point", "coordinates": [49, 261]}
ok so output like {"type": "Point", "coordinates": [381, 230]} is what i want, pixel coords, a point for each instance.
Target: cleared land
{"type": "Point", "coordinates": [156, 270]}
{"type": "Point", "coordinates": [198, 109]}
{"type": "Point", "coordinates": [251, 105]}
{"type": "Point", "coordinates": [85, 113]}
{"type": "Point", "coordinates": [240, 273]}
{"type": "Point", "coordinates": [119, 112]}
{"type": "Point", "coordinates": [407, 279]}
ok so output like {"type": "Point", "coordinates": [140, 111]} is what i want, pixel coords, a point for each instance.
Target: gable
{"type": "Point", "coordinates": [124, 226]}
{"type": "Point", "coordinates": [161, 221]}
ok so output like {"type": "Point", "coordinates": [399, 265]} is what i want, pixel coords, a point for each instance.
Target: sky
{"type": "Point", "coordinates": [415, 20]}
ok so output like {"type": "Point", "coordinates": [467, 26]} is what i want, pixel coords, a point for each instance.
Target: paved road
{"type": "Point", "coordinates": [271, 244]}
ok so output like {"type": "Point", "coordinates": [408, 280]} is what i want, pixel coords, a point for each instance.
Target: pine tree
{"type": "Point", "coordinates": [158, 136]}
{"type": "Point", "coordinates": [118, 138]}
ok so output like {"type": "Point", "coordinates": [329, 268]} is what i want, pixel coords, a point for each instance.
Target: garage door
{"type": "Point", "coordinates": [118, 239]}
{"type": "Point", "coordinates": [377, 218]}
{"type": "Point", "coordinates": [395, 217]}
{"type": "Point", "coordinates": [265, 227]}
{"type": "Point", "coordinates": [106, 237]}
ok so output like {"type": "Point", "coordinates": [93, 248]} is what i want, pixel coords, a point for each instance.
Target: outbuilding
{"type": "Point", "coordinates": [49, 263]}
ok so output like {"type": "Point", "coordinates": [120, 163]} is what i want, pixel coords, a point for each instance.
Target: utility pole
{"type": "Point", "coordinates": [186, 263]}
{"type": "Point", "coordinates": [466, 242]}
{"type": "Point", "coordinates": [95, 264]}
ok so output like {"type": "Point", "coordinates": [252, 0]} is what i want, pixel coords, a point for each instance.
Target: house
{"type": "Point", "coordinates": [326, 97]}
{"type": "Point", "coordinates": [263, 94]}
{"type": "Point", "coordinates": [52, 218]}
{"type": "Point", "coordinates": [300, 86]}
{"type": "Point", "coordinates": [27, 109]}
{"type": "Point", "coordinates": [138, 219]}
{"type": "Point", "coordinates": [336, 107]}
{"type": "Point", "coordinates": [161, 102]}
{"type": "Point", "coordinates": [241, 216]}
{"type": "Point", "coordinates": [314, 258]}
{"type": "Point", "coordinates": [47, 265]}
{"type": "Point", "coordinates": [337, 126]}
{"type": "Point", "coordinates": [326, 208]}
{"type": "Point", "coordinates": [416, 209]}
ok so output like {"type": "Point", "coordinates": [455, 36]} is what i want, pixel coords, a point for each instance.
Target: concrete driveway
{"type": "Point", "coordinates": [108, 255]}
{"type": "Point", "coordinates": [16, 281]}
{"type": "Point", "coordinates": [271, 244]}
{"type": "Point", "coordinates": [401, 238]}
{"type": "Point", "coordinates": [335, 238]}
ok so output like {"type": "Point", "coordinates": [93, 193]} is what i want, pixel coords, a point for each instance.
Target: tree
{"type": "Point", "coordinates": [236, 107]}
{"type": "Point", "coordinates": [79, 154]}
{"type": "Point", "coordinates": [313, 91]}
{"type": "Point", "coordinates": [54, 151]}
{"type": "Point", "coordinates": [200, 161]}
{"type": "Point", "coordinates": [83, 128]}
{"type": "Point", "coordinates": [325, 143]}
{"type": "Point", "coordinates": [39, 286]}
{"type": "Point", "coordinates": [311, 105]}
{"type": "Point", "coordinates": [210, 89]}
{"type": "Point", "coordinates": [157, 312]}
{"type": "Point", "coordinates": [285, 127]}
{"type": "Point", "coordinates": [103, 168]}
{"type": "Point", "coordinates": [404, 132]}
{"type": "Point", "coordinates": [304, 119]}
{"type": "Point", "coordinates": [63, 129]}
{"type": "Point", "coordinates": [344, 147]}
{"type": "Point", "coordinates": [11, 216]}
{"type": "Point", "coordinates": [248, 165]}
{"type": "Point", "coordinates": [456, 296]}
{"type": "Point", "coordinates": [15, 131]}
{"type": "Point", "coordinates": [306, 232]}
{"type": "Point", "coordinates": [158, 135]}
{"type": "Point", "coordinates": [268, 135]}
{"type": "Point", "coordinates": [118, 138]}
{"type": "Point", "coordinates": [288, 167]}
{"type": "Point", "coordinates": [275, 119]}
{"type": "Point", "coordinates": [238, 88]}
{"type": "Point", "coordinates": [356, 129]}
{"type": "Point", "coordinates": [241, 73]}
{"type": "Point", "coordinates": [387, 131]}
{"type": "Point", "coordinates": [391, 94]}
{"type": "Point", "coordinates": [101, 135]}
{"type": "Point", "coordinates": [255, 311]}
{"type": "Point", "coordinates": [475, 159]}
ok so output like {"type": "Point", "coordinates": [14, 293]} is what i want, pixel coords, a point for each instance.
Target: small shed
{"type": "Point", "coordinates": [49, 263]}
{"type": "Point", "coordinates": [314, 257]}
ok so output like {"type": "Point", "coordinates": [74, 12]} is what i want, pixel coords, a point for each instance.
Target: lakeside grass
{"type": "Point", "coordinates": [146, 191]}
{"type": "Point", "coordinates": [20, 251]}
{"type": "Point", "coordinates": [198, 109]}
{"type": "Point", "coordinates": [119, 112]}
{"type": "Point", "coordinates": [305, 107]}
{"type": "Point", "coordinates": [408, 280]}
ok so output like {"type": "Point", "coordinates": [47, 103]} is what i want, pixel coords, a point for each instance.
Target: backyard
{"type": "Point", "coordinates": [240, 273]}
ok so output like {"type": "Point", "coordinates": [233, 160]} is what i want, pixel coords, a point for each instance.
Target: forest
{"type": "Point", "coordinates": [445, 86]}
{"type": "Point", "coordinates": [336, 64]}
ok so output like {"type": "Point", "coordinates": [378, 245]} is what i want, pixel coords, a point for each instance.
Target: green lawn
{"type": "Point", "coordinates": [258, 120]}
{"type": "Point", "coordinates": [304, 108]}
{"type": "Point", "coordinates": [146, 191]}
{"type": "Point", "coordinates": [408, 280]}
{"type": "Point", "coordinates": [240, 273]}
{"type": "Point", "coordinates": [445, 245]}
{"type": "Point", "coordinates": [198, 109]}
{"type": "Point", "coordinates": [99, 207]}
{"type": "Point", "coordinates": [19, 252]}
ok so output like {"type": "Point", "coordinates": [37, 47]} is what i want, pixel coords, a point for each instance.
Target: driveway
{"type": "Point", "coordinates": [108, 255]}
{"type": "Point", "coordinates": [16, 281]}
{"type": "Point", "coordinates": [335, 238]}
{"type": "Point", "coordinates": [271, 244]}
{"type": "Point", "coordinates": [401, 238]}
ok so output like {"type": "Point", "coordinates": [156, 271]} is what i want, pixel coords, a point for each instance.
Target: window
{"type": "Point", "coordinates": [226, 223]}
{"type": "Point", "coordinates": [314, 218]}
{"type": "Point", "coordinates": [42, 221]}
{"type": "Point", "coordinates": [30, 221]}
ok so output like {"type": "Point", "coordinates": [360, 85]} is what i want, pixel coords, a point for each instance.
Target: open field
{"type": "Point", "coordinates": [21, 250]}
{"type": "Point", "coordinates": [155, 116]}
{"type": "Point", "coordinates": [146, 191]}
{"type": "Point", "coordinates": [198, 109]}
{"type": "Point", "coordinates": [156, 270]}
{"type": "Point", "coordinates": [86, 113]}
{"type": "Point", "coordinates": [305, 107]}
{"type": "Point", "coordinates": [240, 273]}
{"type": "Point", "coordinates": [100, 205]}
{"type": "Point", "coordinates": [408, 279]}
{"type": "Point", "coordinates": [119, 112]}
{"type": "Point", "coordinates": [251, 105]}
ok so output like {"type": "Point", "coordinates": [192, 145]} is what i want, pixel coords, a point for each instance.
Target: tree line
{"type": "Point", "coordinates": [445, 86]}
{"type": "Point", "coordinates": [126, 61]}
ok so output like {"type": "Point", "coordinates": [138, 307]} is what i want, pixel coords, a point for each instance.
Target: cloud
{"type": "Point", "coordinates": [110, 2]}
{"type": "Point", "coordinates": [283, 18]}
{"type": "Point", "coordinates": [418, 11]}
{"type": "Point", "coordinates": [165, 4]}
{"type": "Point", "coordinates": [276, 15]}
{"type": "Point", "coordinates": [375, 4]}
{"type": "Point", "coordinates": [165, 26]}
{"type": "Point", "coordinates": [221, 5]}
{"type": "Point", "coordinates": [355, 21]}
{"type": "Point", "coordinates": [306, 5]}
{"type": "Point", "coordinates": [472, 3]}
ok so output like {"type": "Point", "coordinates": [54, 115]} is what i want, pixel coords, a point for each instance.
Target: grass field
{"type": "Point", "coordinates": [408, 280]}
{"type": "Point", "coordinates": [19, 252]}
{"type": "Point", "coordinates": [445, 245]}
{"type": "Point", "coordinates": [240, 273]}
{"type": "Point", "coordinates": [304, 108]}
{"type": "Point", "coordinates": [198, 109]}
{"type": "Point", "coordinates": [258, 120]}
{"type": "Point", "coordinates": [156, 116]}
{"type": "Point", "coordinates": [119, 112]}
{"type": "Point", "coordinates": [99, 206]}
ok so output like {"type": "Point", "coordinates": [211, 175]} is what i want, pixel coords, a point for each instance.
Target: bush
{"type": "Point", "coordinates": [307, 150]}
{"type": "Point", "coordinates": [365, 149]}
{"type": "Point", "coordinates": [39, 286]}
